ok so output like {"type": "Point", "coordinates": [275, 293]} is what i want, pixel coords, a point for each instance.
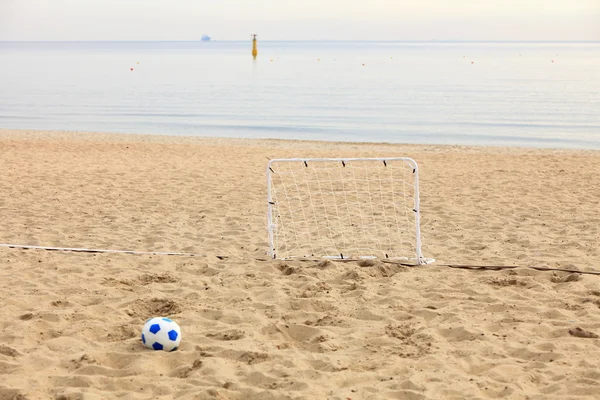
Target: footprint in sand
{"type": "Point", "coordinates": [145, 309]}
{"type": "Point", "coordinates": [578, 332]}
{"type": "Point", "coordinates": [185, 372]}
{"type": "Point", "coordinates": [122, 332]}
{"type": "Point", "coordinates": [234, 334]}
{"type": "Point", "coordinates": [8, 351]}
{"type": "Point", "coordinates": [11, 394]}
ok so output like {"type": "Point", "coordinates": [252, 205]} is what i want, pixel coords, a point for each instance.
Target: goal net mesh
{"type": "Point", "coordinates": [344, 208]}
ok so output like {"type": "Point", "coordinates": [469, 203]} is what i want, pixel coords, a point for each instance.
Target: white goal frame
{"type": "Point", "coordinates": [272, 227]}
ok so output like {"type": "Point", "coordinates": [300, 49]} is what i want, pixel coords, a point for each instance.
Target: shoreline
{"type": "Point", "coordinates": [183, 139]}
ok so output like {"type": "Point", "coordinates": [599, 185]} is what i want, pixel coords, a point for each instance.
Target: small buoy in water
{"type": "Point", "coordinates": [472, 62]}
{"type": "Point", "coordinates": [552, 60]}
{"type": "Point", "coordinates": [138, 62]}
{"type": "Point", "coordinates": [131, 69]}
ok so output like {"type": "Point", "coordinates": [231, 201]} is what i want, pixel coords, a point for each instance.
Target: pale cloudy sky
{"type": "Point", "coordinates": [300, 19]}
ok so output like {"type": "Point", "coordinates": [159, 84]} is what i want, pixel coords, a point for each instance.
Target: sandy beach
{"type": "Point", "coordinates": [255, 328]}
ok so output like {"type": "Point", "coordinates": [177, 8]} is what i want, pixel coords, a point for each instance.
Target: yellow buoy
{"type": "Point", "coordinates": [254, 46]}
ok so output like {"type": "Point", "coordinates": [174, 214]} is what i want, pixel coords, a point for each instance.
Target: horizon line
{"type": "Point", "coordinates": [307, 40]}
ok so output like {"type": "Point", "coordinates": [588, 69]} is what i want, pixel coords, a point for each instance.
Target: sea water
{"type": "Point", "coordinates": [534, 94]}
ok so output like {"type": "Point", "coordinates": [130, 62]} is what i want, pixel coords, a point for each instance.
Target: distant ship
{"type": "Point", "coordinates": [206, 38]}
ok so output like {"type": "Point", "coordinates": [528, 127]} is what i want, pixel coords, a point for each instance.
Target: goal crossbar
{"type": "Point", "coordinates": [342, 208]}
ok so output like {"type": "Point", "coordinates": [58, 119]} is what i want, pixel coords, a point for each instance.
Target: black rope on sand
{"type": "Point", "coordinates": [499, 267]}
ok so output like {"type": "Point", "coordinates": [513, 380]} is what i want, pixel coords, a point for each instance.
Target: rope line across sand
{"type": "Point", "coordinates": [83, 250]}
{"type": "Point", "coordinates": [501, 267]}
{"type": "Point", "coordinates": [167, 253]}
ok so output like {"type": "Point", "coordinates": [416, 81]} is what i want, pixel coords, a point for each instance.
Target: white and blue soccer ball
{"type": "Point", "coordinates": [161, 334]}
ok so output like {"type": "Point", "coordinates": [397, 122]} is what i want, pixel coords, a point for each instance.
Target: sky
{"type": "Point", "coordinates": [300, 20]}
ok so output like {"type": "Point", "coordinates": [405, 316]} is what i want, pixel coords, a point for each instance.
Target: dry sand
{"type": "Point", "coordinates": [254, 328]}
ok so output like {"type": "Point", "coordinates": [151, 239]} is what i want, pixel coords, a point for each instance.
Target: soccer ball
{"type": "Point", "coordinates": [161, 334]}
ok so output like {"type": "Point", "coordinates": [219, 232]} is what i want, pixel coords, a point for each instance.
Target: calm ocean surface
{"type": "Point", "coordinates": [515, 94]}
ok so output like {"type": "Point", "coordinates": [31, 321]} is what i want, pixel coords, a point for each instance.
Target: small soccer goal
{"type": "Point", "coordinates": [344, 208]}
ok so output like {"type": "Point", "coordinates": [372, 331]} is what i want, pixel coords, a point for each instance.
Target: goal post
{"type": "Point", "coordinates": [344, 208]}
